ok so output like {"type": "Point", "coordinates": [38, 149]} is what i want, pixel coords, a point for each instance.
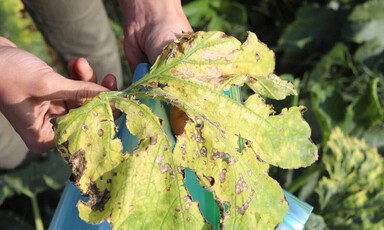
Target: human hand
{"type": "Point", "coordinates": [31, 93]}
{"type": "Point", "coordinates": [149, 25]}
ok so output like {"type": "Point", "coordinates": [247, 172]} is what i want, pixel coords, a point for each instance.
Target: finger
{"type": "Point", "coordinates": [57, 108]}
{"type": "Point", "coordinates": [110, 82]}
{"type": "Point", "coordinates": [84, 71]}
{"type": "Point", "coordinates": [6, 42]}
{"type": "Point", "coordinates": [56, 87]}
{"type": "Point", "coordinates": [70, 66]}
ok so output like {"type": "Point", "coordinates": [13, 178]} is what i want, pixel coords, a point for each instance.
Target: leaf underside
{"type": "Point", "coordinates": [229, 145]}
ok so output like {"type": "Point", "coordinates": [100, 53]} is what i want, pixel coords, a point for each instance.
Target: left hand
{"type": "Point", "coordinates": [32, 93]}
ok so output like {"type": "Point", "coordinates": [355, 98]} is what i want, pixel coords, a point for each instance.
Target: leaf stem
{"type": "Point", "coordinates": [36, 213]}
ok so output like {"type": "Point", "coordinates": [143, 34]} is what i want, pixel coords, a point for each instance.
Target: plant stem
{"type": "Point", "coordinates": [36, 213]}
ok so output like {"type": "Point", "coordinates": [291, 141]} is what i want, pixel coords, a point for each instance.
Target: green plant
{"type": "Point", "coordinates": [354, 184]}
{"type": "Point", "coordinates": [230, 159]}
{"type": "Point", "coordinates": [37, 177]}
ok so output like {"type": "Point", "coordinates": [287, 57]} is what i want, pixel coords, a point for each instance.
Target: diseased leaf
{"type": "Point", "coordinates": [222, 168]}
{"type": "Point", "coordinates": [228, 145]}
{"type": "Point", "coordinates": [273, 87]}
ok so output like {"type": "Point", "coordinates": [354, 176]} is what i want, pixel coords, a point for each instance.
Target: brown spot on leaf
{"type": "Point", "coordinates": [63, 150]}
{"type": "Point", "coordinates": [203, 151]}
{"type": "Point", "coordinates": [78, 162]}
{"type": "Point", "coordinates": [212, 55]}
{"type": "Point", "coordinates": [100, 132]}
{"type": "Point", "coordinates": [153, 139]}
{"type": "Point", "coordinates": [241, 209]}
{"type": "Point", "coordinates": [210, 179]}
{"type": "Point", "coordinates": [222, 175]}
{"type": "Point", "coordinates": [241, 185]}
{"type": "Point", "coordinates": [219, 155]}
{"type": "Point", "coordinates": [103, 200]}
{"type": "Point", "coordinates": [164, 168]}
{"type": "Point", "coordinates": [193, 138]}
{"type": "Point", "coordinates": [183, 148]}
{"type": "Point", "coordinates": [180, 170]}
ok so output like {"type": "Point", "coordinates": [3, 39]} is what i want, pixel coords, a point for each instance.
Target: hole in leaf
{"type": "Point", "coordinates": [207, 204]}
{"type": "Point", "coordinates": [130, 142]}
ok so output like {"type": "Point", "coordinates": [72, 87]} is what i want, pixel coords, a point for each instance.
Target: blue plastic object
{"type": "Point", "coordinates": [67, 216]}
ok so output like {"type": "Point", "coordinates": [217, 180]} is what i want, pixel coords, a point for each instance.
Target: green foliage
{"type": "Point", "coordinates": [315, 222]}
{"type": "Point", "coordinates": [36, 177]}
{"type": "Point", "coordinates": [230, 159]}
{"type": "Point", "coordinates": [366, 23]}
{"type": "Point", "coordinates": [220, 15]}
{"type": "Point", "coordinates": [358, 108]}
{"type": "Point", "coordinates": [354, 184]}
{"type": "Point", "coordinates": [52, 173]}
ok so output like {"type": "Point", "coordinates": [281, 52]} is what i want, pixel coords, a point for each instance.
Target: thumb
{"type": "Point", "coordinates": [56, 87]}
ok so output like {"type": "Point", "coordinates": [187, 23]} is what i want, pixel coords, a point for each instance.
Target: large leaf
{"type": "Point", "coordinates": [351, 196]}
{"type": "Point", "coordinates": [228, 145]}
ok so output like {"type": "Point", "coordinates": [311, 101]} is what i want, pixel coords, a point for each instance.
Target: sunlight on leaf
{"type": "Point", "coordinates": [228, 145]}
